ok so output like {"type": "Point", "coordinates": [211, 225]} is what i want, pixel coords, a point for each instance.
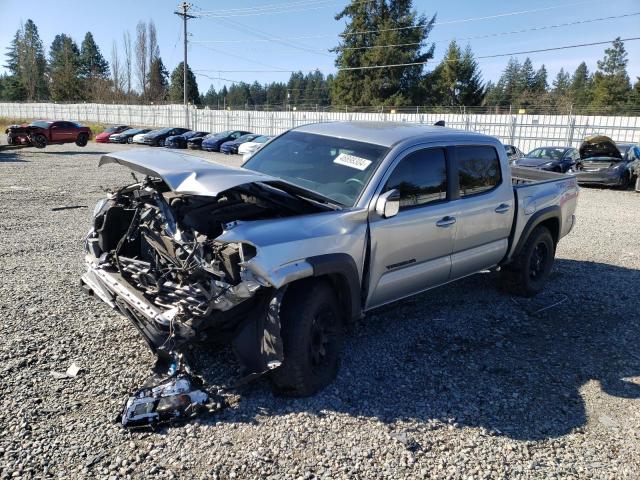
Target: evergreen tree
{"type": "Point", "coordinates": [581, 88]}
{"type": "Point", "coordinates": [634, 97]}
{"type": "Point", "coordinates": [471, 88]}
{"type": "Point", "coordinates": [11, 90]}
{"type": "Point", "coordinates": [94, 70]}
{"type": "Point", "coordinates": [371, 28]}
{"type": "Point", "coordinates": [611, 85]}
{"type": "Point", "coordinates": [561, 83]}
{"type": "Point", "coordinates": [158, 81]}
{"type": "Point", "coordinates": [92, 64]}
{"type": "Point", "coordinates": [64, 69]}
{"type": "Point", "coordinates": [527, 76]}
{"type": "Point", "coordinates": [257, 94]}
{"type": "Point", "coordinates": [32, 63]}
{"type": "Point", "coordinates": [176, 90]}
{"type": "Point", "coordinates": [210, 98]}
{"type": "Point", "coordinates": [27, 64]}
{"type": "Point", "coordinates": [456, 80]}
{"type": "Point", "coordinates": [540, 84]}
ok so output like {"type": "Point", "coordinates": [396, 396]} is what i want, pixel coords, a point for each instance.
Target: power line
{"type": "Point", "coordinates": [274, 8]}
{"type": "Point", "coordinates": [473, 19]}
{"type": "Point", "coordinates": [372, 67]}
{"type": "Point", "coordinates": [499, 34]}
{"type": "Point", "coordinates": [473, 37]}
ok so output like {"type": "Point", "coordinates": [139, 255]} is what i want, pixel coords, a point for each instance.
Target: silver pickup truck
{"type": "Point", "coordinates": [324, 223]}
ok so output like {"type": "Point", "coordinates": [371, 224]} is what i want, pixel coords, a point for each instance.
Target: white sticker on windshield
{"type": "Point", "coordinates": [352, 161]}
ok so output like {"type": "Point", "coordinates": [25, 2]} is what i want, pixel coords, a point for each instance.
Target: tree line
{"type": "Point", "coordinates": [382, 33]}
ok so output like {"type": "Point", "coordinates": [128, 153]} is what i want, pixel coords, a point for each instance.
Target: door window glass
{"type": "Point", "coordinates": [478, 169]}
{"type": "Point", "coordinates": [421, 178]}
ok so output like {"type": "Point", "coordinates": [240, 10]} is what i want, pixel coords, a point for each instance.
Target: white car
{"type": "Point", "coordinates": [139, 138]}
{"type": "Point", "coordinates": [249, 148]}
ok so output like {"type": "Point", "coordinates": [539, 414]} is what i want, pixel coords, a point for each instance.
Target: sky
{"type": "Point", "coordinates": [229, 44]}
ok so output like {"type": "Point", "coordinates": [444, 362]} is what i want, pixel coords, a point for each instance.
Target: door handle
{"type": "Point", "coordinates": [502, 208]}
{"type": "Point", "coordinates": [446, 221]}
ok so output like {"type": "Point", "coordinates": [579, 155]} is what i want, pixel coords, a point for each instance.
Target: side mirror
{"type": "Point", "coordinates": [388, 204]}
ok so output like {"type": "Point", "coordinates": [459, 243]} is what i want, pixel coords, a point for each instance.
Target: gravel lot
{"type": "Point", "coordinates": [464, 381]}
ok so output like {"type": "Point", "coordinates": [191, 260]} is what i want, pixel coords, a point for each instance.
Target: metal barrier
{"type": "Point", "coordinates": [524, 131]}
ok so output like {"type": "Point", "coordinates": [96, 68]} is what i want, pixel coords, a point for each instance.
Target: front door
{"type": "Point", "coordinates": [411, 251]}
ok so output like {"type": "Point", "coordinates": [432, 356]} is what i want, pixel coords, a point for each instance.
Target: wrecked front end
{"type": "Point", "coordinates": [153, 254]}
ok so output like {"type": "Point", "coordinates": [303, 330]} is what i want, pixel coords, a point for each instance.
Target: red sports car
{"type": "Point", "coordinates": [45, 132]}
{"type": "Point", "coordinates": [104, 136]}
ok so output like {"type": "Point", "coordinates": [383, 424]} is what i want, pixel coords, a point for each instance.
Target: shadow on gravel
{"type": "Point", "coordinates": [74, 152]}
{"type": "Point", "coordinates": [7, 157]}
{"type": "Point", "coordinates": [495, 361]}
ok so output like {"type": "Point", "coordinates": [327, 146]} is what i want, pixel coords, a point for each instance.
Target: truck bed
{"type": "Point", "coordinates": [521, 176]}
{"type": "Point", "coordinates": [537, 191]}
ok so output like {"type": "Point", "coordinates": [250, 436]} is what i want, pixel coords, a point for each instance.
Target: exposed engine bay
{"type": "Point", "coordinates": [153, 255]}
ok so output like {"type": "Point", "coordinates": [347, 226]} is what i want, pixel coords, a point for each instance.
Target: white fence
{"type": "Point", "coordinates": [524, 131]}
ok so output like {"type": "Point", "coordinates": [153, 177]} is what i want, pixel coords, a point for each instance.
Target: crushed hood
{"type": "Point", "coordinates": [599, 147]}
{"type": "Point", "coordinates": [184, 173]}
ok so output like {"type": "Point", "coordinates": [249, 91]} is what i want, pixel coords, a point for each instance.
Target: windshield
{"type": "Point", "coordinates": [40, 123]}
{"type": "Point", "coordinates": [335, 168]}
{"type": "Point", "coordinates": [131, 131]}
{"type": "Point", "coordinates": [161, 131]}
{"type": "Point", "coordinates": [261, 139]}
{"type": "Point", "coordinates": [547, 152]}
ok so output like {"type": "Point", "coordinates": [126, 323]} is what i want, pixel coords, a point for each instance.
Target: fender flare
{"type": "Point", "coordinates": [551, 212]}
{"type": "Point", "coordinates": [342, 265]}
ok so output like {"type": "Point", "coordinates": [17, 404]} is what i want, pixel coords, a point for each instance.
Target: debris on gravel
{"type": "Point", "coordinates": [463, 381]}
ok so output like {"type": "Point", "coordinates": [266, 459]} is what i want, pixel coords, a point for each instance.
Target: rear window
{"type": "Point", "coordinates": [478, 169]}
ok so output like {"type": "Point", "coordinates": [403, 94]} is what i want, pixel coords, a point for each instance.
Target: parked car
{"type": "Point", "coordinates": [553, 159]}
{"type": "Point", "coordinates": [127, 135]}
{"type": "Point", "coordinates": [212, 143]}
{"type": "Point", "coordinates": [195, 143]}
{"type": "Point", "coordinates": [231, 147]}
{"type": "Point", "coordinates": [139, 138]}
{"type": "Point", "coordinates": [158, 137]}
{"type": "Point", "coordinates": [248, 148]}
{"type": "Point", "coordinates": [180, 141]}
{"type": "Point", "coordinates": [324, 223]}
{"type": "Point", "coordinates": [44, 132]}
{"type": "Point", "coordinates": [513, 152]}
{"type": "Point", "coordinates": [603, 162]}
{"type": "Point", "coordinates": [103, 137]}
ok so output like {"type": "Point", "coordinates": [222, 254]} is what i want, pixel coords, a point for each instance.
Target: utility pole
{"type": "Point", "coordinates": [185, 16]}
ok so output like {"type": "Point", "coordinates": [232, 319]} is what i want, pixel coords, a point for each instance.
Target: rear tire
{"type": "Point", "coordinates": [82, 140]}
{"type": "Point", "coordinates": [528, 274]}
{"type": "Point", "coordinates": [39, 141]}
{"type": "Point", "coordinates": [130, 140]}
{"type": "Point", "coordinates": [312, 337]}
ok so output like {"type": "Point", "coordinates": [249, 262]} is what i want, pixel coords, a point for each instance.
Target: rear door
{"type": "Point", "coordinates": [484, 209]}
{"type": "Point", "coordinates": [411, 251]}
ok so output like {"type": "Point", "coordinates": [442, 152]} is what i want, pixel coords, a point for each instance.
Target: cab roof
{"type": "Point", "coordinates": [387, 134]}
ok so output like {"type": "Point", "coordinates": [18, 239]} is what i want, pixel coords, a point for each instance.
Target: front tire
{"type": "Point", "coordinates": [130, 140]}
{"type": "Point", "coordinates": [39, 141]}
{"type": "Point", "coordinates": [312, 337]}
{"type": "Point", "coordinates": [82, 140]}
{"type": "Point", "coordinates": [530, 270]}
